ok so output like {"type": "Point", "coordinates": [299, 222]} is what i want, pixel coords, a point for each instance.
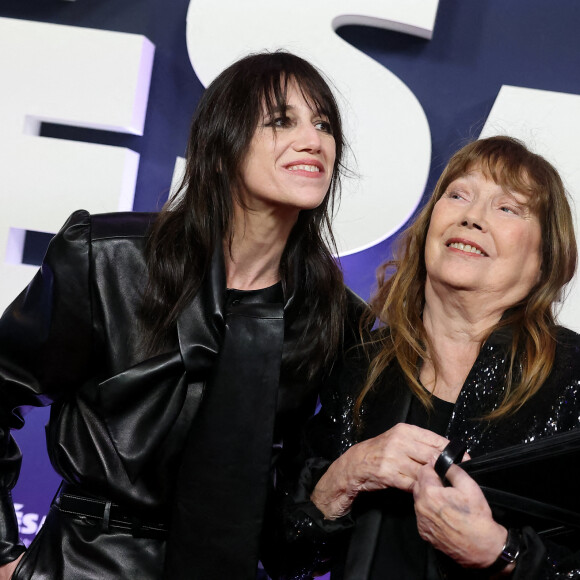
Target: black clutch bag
{"type": "Point", "coordinates": [536, 483]}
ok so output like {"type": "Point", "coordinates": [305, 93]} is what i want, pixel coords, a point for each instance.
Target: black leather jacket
{"type": "Point", "coordinates": [348, 544]}
{"type": "Point", "coordinates": [119, 419]}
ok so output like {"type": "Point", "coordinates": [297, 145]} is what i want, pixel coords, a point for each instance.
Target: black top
{"type": "Point", "coordinates": [269, 295]}
{"type": "Point", "coordinates": [401, 554]}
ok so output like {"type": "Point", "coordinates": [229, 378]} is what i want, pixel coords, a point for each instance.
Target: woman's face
{"type": "Point", "coordinates": [483, 238]}
{"type": "Point", "coordinates": [290, 161]}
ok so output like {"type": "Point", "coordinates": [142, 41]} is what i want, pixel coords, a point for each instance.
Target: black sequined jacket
{"type": "Point", "coordinates": [348, 544]}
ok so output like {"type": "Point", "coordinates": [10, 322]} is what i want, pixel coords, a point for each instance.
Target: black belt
{"type": "Point", "coordinates": [73, 501]}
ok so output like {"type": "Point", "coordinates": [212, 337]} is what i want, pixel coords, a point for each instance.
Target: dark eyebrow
{"type": "Point", "coordinates": [284, 108]}
{"type": "Point", "coordinates": [277, 110]}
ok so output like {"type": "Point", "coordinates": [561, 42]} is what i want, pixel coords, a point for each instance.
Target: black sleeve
{"type": "Point", "coordinates": [45, 346]}
{"type": "Point", "coordinates": [309, 540]}
{"type": "Point", "coordinates": [547, 560]}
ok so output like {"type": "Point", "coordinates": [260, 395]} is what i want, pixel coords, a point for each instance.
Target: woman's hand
{"type": "Point", "coordinates": [457, 520]}
{"type": "Point", "coordinates": [392, 459]}
{"type": "Point", "coordinates": [7, 570]}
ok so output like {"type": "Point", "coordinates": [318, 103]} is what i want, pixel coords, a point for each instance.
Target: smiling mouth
{"type": "Point", "coordinates": [311, 168]}
{"type": "Point", "coordinates": [466, 248]}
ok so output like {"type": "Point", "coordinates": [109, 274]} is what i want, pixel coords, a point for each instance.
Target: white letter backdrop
{"type": "Point", "coordinates": [68, 75]}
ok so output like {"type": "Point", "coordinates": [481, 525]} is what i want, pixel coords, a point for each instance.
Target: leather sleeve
{"type": "Point", "coordinates": [45, 348]}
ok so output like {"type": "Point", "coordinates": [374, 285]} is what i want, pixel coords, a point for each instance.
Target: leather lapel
{"type": "Point", "coordinates": [157, 391]}
{"type": "Point", "coordinates": [200, 326]}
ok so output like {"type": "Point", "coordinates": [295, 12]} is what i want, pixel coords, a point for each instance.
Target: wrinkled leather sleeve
{"type": "Point", "coordinates": [45, 346]}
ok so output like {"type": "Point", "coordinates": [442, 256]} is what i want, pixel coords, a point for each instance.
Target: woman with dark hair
{"type": "Point", "coordinates": [181, 352]}
{"type": "Point", "coordinates": [467, 349]}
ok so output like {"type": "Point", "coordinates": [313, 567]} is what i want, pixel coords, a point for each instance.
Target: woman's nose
{"type": "Point", "coordinates": [474, 217]}
{"type": "Point", "coordinates": [307, 138]}
{"type": "Point", "coordinates": [471, 223]}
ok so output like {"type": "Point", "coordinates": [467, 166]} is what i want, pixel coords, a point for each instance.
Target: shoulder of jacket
{"type": "Point", "coordinates": [112, 225]}
{"type": "Point", "coordinates": [354, 298]}
{"type": "Point", "coordinates": [127, 224]}
{"type": "Point", "coordinates": [355, 304]}
{"type": "Point", "coordinates": [568, 344]}
{"type": "Point", "coordinates": [567, 335]}
{"type": "Point", "coordinates": [121, 225]}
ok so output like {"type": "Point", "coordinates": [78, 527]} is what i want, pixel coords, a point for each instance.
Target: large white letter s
{"type": "Point", "coordinates": [385, 124]}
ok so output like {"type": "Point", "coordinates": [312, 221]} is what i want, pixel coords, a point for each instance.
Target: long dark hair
{"type": "Point", "coordinates": [189, 226]}
{"type": "Point", "coordinates": [400, 298]}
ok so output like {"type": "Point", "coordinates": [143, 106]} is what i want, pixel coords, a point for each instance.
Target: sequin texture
{"type": "Point", "coordinates": [555, 408]}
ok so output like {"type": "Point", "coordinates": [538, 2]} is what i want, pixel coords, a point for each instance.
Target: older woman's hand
{"type": "Point", "coordinates": [392, 459]}
{"type": "Point", "coordinates": [457, 520]}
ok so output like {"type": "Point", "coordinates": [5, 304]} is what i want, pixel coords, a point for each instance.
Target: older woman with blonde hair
{"type": "Point", "coordinates": [467, 349]}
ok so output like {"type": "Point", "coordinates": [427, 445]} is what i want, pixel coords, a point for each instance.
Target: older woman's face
{"type": "Point", "coordinates": [290, 161]}
{"type": "Point", "coordinates": [485, 239]}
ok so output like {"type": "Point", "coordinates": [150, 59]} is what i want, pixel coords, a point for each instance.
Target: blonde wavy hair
{"type": "Point", "coordinates": [400, 297]}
